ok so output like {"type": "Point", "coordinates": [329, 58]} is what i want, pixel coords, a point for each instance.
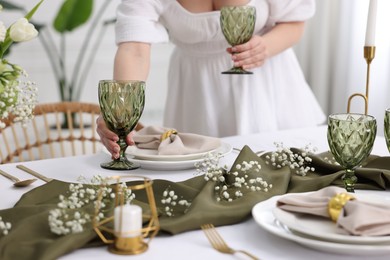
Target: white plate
{"type": "Point", "coordinates": [224, 149]}
{"type": "Point", "coordinates": [151, 155]}
{"type": "Point", "coordinates": [325, 229]}
{"type": "Point", "coordinates": [263, 215]}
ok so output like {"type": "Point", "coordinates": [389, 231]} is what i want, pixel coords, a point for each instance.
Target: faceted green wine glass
{"type": "Point", "coordinates": [121, 105]}
{"type": "Point", "coordinates": [351, 138]}
{"type": "Point", "coordinates": [387, 128]}
{"type": "Point", "coordinates": [237, 24]}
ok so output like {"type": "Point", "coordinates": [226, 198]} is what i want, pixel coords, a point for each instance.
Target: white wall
{"type": "Point", "coordinates": [32, 57]}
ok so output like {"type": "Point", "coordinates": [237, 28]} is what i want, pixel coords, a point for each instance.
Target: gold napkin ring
{"type": "Point", "coordinates": [336, 204]}
{"type": "Point", "coordinates": [167, 134]}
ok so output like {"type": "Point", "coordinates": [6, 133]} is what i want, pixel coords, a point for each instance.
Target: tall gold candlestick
{"type": "Point", "coordinates": [369, 55]}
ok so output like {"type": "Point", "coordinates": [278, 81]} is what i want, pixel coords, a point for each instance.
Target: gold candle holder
{"type": "Point", "coordinates": [369, 55]}
{"type": "Point", "coordinates": [127, 242]}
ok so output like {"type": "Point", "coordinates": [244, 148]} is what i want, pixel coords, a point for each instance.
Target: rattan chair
{"type": "Point", "coordinates": [57, 130]}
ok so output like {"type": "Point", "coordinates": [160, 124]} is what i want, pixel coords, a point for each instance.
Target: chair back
{"type": "Point", "coordinates": [57, 130]}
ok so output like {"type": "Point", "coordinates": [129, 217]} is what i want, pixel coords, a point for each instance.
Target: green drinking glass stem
{"type": "Point", "coordinates": [237, 70]}
{"type": "Point", "coordinates": [349, 179]}
{"type": "Point", "coordinates": [121, 163]}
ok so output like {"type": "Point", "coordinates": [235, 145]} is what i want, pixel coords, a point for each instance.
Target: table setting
{"type": "Point", "coordinates": [309, 193]}
{"type": "Point", "coordinates": [205, 207]}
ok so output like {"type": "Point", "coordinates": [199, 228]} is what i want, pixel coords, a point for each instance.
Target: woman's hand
{"type": "Point", "coordinates": [259, 48]}
{"type": "Point", "coordinates": [251, 54]}
{"type": "Point", "coordinates": [109, 138]}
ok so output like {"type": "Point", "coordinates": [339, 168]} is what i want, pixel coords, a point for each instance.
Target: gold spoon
{"type": "Point", "coordinates": [17, 182]}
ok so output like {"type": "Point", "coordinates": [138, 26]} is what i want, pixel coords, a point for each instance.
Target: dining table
{"type": "Point", "coordinates": [247, 235]}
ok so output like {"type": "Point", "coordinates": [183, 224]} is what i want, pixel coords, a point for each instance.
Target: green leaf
{"type": "Point", "coordinates": [72, 14]}
{"type": "Point", "coordinates": [32, 12]}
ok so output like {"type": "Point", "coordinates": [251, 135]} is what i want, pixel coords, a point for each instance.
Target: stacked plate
{"type": "Point", "coordinates": [320, 233]}
{"type": "Point", "coordinates": [149, 159]}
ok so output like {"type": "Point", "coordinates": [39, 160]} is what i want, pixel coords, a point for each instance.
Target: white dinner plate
{"type": "Point", "coordinates": [224, 149]}
{"type": "Point", "coordinates": [326, 229]}
{"type": "Point", "coordinates": [151, 155]}
{"type": "Point", "coordinates": [263, 215]}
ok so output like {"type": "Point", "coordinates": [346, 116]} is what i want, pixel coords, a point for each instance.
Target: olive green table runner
{"type": "Point", "coordinates": [31, 238]}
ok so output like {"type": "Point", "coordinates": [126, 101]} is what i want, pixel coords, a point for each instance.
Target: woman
{"type": "Point", "coordinates": [202, 100]}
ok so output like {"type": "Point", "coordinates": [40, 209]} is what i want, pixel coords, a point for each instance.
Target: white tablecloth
{"type": "Point", "coordinates": [190, 245]}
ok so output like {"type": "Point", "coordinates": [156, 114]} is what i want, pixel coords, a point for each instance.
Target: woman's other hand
{"type": "Point", "coordinates": [258, 49]}
{"type": "Point", "coordinates": [251, 54]}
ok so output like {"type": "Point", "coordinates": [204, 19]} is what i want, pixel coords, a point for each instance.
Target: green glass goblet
{"type": "Point", "coordinates": [351, 138]}
{"type": "Point", "coordinates": [121, 105]}
{"type": "Point", "coordinates": [387, 128]}
{"type": "Point", "coordinates": [237, 24]}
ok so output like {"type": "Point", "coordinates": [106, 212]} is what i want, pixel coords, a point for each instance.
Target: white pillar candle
{"type": "Point", "coordinates": [128, 220]}
{"type": "Point", "coordinates": [371, 23]}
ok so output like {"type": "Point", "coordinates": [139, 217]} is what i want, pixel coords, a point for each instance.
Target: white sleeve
{"type": "Point", "coordinates": [289, 11]}
{"type": "Point", "coordinates": [138, 20]}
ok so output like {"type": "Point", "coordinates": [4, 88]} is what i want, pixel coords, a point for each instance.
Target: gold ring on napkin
{"type": "Point", "coordinates": [336, 203]}
{"type": "Point", "coordinates": [167, 134]}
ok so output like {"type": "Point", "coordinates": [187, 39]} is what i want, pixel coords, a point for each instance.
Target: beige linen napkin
{"type": "Point", "coordinates": [359, 218]}
{"type": "Point", "coordinates": [175, 144]}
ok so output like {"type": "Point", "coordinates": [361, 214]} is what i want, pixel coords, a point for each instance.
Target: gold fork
{"type": "Point", "coordinates": [219, 244]}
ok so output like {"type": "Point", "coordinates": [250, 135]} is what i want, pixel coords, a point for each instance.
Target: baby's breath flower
{"type": "Point", "coordinates": [5, 227]}
{"type": "Point", "coordinates": [16, 96]}
{"type": "Point", "coordinates": [172, 203]}
{"type": "Point", "coordinates": [70, 217]}
{"type": "Point", "coordinates": [230, 185]}
{"type": "Point", "coordinates": [284, 156]}
{"type": "Point", "coordinates": [331, 160]}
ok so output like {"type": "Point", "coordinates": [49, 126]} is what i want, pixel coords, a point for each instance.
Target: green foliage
{"type": "Point", "coordinates": [32, 12]}
{"type": "Point", "coordinates": [10, 6]}
{"type": "Point", "coordinates": [72, 14]}
{"type": "Point", "coordinates": [8, 41]}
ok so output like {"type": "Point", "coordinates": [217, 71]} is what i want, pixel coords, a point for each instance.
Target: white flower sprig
{"type": "Point", "coordinates": [172, 202]}
{"type": "Point", "coordinates": [70, 217]}
{"type": "Point", "coordinates": [331, 160]}
{"type": "Point", "coordinates": [17, 95]}
{"type": "Point", "coordinates": [242, 182]}
{"type": "Point", "coordinates": [5, 227]}
{"type": "Point", "coordinates": [284, 156]}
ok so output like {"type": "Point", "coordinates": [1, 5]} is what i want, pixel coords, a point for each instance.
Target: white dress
{"type": "Point", "coordinates": [202, 100]}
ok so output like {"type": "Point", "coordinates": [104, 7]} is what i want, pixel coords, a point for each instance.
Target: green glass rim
{"type": "Point", "coordinates": [231, 7]}
{"type": "Point", "coordinates": [343, 116]}
{"type": "Point", "coordinates": [121, 81]}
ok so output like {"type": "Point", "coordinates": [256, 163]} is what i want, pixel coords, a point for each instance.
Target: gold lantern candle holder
{"type": "Point", "coordinates": [369, 55]}
{"type": "Point", "coordinates": [130, 227]}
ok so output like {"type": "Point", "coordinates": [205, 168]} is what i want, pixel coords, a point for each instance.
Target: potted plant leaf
{"type": "Point", "coordinates": [72, 15]}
